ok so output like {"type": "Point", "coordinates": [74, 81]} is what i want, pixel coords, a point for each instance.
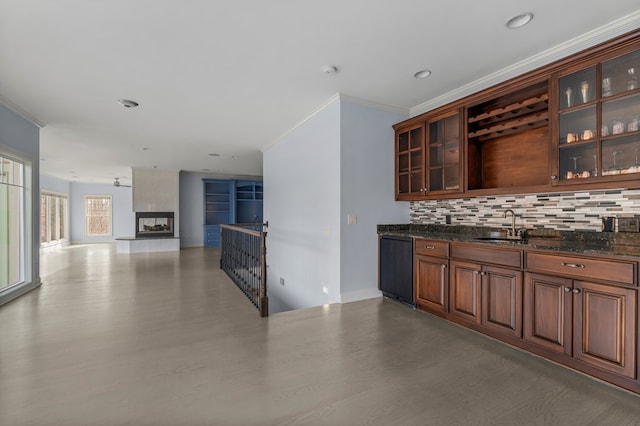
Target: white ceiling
{"type": "Point", "coordinates": [230, 77]}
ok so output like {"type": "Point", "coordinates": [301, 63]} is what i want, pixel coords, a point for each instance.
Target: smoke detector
{"type": "Point", "coordinates": [329, 69]}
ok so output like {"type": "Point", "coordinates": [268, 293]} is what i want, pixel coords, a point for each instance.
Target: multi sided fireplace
{"type": "Point", "coordinates": [154, 224]}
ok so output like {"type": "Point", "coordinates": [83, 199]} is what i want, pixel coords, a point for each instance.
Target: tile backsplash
{"type": "Point", "coordinates": [573, 211]}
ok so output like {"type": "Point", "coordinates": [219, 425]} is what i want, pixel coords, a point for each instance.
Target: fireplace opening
{"type": "Point", "coordinates": [154, 224]}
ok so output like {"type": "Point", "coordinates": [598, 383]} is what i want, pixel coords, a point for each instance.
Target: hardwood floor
{"type": "Point", "coordinates": [167, 339]}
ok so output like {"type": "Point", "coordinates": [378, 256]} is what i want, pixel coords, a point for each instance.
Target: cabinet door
{"type": "Point", "coordinates": [410, 163]}
{"type": "Point", "coordinates": [443, 155]}
{"type": "Point", "coordinates": [502, 300]}
{"type": "Point", "coordinates": [605, 327]}
{"type": "Point", "coordinates": [464, 290]}
{"type": "Point", "coordinates": [431, 283]}
{"type": "Point", "coordinates": [598, 130]}
{"type": "Point", "coordinates": [548, 312]}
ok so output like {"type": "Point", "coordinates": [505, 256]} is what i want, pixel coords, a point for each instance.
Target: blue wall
{"type": "Point", "coordinates": [123, 216]}
{"type": "Point", "coordinates": [53, 184]}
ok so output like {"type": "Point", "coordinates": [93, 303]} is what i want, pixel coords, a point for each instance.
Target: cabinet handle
{"type": "Point", "coordinates": [572, 265]}
{"type": "Point", "coordinates": [430, 247]}
{"type": "Point", "coordinates": [554, 177]}
{"type": "Point", "coordinates": [482, 274]}
{"type": "Point", "coordinates": [576, 290]}
{"type": "Point", "coordinates": [567, 289]}
{"type": "Point", "coordinates": [443, 266]}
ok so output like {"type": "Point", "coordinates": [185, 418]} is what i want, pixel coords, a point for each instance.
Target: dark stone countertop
{"type": "Point", "coordinates": [596, 243]}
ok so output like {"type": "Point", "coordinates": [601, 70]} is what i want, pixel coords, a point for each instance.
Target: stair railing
{"type": "Point", "coordinates": [244, 259]}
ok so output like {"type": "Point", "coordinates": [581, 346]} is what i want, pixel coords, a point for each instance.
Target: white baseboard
{"type": "Point", "coordinates": [354, 296]}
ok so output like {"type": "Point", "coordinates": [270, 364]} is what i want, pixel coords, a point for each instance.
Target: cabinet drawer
{"type": "Point", "coordinates": [583, 267]}
{"type": "Point", "coordinates": [431, 247]}
{"type": "Point", "coordinates": [490, 255]}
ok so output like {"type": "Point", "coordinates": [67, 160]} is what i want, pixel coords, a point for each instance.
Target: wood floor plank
{"type": "Point", "coordinates": [167, 339]}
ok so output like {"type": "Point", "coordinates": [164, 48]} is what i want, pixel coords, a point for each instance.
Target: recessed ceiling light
{"type": "Point", "coordinates": [519, 20]}
{"type": "Point", "coordinates": [329, 69]}
{"type": "Point", "coordinates": [213, 155]}
{"type": "Point", "coordinates": [422, 74]}
{"type": "Point", "coordinates": [235, 156]}
{"type": "Point", "coordinates": [128, 103]}
{"type": "Point", "coordinates": [146, 148]}
{"type": "Point", "coordinates": [206, 170]}
{"type": "Point", "coordinates": [155, 167]}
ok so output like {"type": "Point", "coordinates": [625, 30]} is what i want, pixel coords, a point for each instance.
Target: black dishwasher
{"type": "Point", "coordinates": [395, 268]}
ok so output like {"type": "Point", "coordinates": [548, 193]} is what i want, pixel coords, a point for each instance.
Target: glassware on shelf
{"type": "Point", "coordinates": [604, 131]}
{"type": "Point", "coordinates": [615, 170]}
{"type": "Point", "coordinates": [585, 91]}
{"type": "Point", "coordinates": [569, 94]}
{"type": "Point", "coordinates": [632, 81]}
{"type": "Point", "coordinates": [606, 87]}
{"type": "Point", "coordinates": [587, 134]}
{"type": "Point", "coordinates": [636, 166]}
{"type": "Point", "coordinates": [634, 124]}
{"type": "Point", "coordinates": [617, 127]}
{"type": "Point", "coordinates": [575, 173]}
{"type": "Point", "coordinates": [594, 172]}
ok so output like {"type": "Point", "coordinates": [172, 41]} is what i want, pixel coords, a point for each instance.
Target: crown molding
{"type": "Point", "coordinates": [374, 105]}
{"type": "Point", "coordinates": [606, 32]}
{"type": "Point", "coordinates": [327, 103]}
{"type": "Point", "coordinates": [22, 113]}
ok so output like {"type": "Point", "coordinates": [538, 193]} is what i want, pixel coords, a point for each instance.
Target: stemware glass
{"type": "Point", "coordinates": [615, 169]}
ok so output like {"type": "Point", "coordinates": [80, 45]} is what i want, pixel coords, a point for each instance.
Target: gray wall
{"type": "Point", "coordinates": [338, 162]}
{"type": "Point", "coordinates": [367, 192]}
{"type": "Point", "coordinates": [191, 209]}
{"type": "Point", "coordinates": [21, 138]}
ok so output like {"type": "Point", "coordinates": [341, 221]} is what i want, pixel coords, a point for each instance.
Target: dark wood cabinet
{"type": "Point", "coordinates": [431, 278]}
{"type": "Point", "coordinates": [605, 328]}
{"type": "Point", "coordinates": [431, 283]}
{"type": "Point", "coordinates": [410, 179]}
{"type": "Point", "coordinates": [444, 154]}
{"type": "Point", "coordinates": [594, 323]}
{"type": "Point", "coordinates": [577, 310]}
{"type": "Point", "coordinates": [548, 312]}
{"type": "Point", "coordinates": [598, 131]}
{"type": "Point", "coordinates": [487, 295]}
{"type": "Point", "coordinates": [429, 156]}
{"type": "Point", "coordinates": [572, 124]}
{"type": "Point", "coordinates": [465, 291]}
{"type": "Point", "coordinates": [502, 300]}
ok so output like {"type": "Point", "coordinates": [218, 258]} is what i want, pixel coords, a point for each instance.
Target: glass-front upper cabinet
{"type": "Point", "coordinates": [599, 121]}
{"type": "Point", "coordinates": [444, 154]}
{"type": "Point", "coordinates": [410, 162]}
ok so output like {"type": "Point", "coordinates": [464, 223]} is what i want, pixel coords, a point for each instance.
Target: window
{"type": "Point", "coordinates": [53, 218]}
{"type": "Point", "coordinates": [97, 210]}
{"type": "Point", "coordinates": [12, 235]}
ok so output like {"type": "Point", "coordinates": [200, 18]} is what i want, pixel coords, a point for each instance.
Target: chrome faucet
{"type": "Point", "coordinates": [512, 232]}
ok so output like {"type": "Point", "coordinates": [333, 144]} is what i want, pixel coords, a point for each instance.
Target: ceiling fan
{"type": "Point", "coordinates": [117, 183]}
